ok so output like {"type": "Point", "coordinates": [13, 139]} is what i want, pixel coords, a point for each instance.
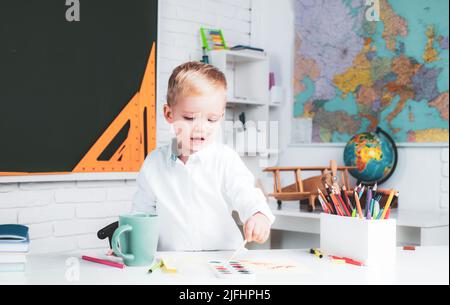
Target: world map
{"type": "Point", "coordinates": [353, 74]}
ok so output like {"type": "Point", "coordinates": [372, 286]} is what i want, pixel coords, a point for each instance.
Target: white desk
{"type": "Point", "coordinates": [427, 265]}
{"type": "Point", "coordinates": [413, 227]}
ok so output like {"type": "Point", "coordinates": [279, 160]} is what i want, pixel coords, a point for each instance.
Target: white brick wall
{"type": "Point", "coordinates": [179, 40]}
{"type": "Point", "coordinates": [65, 216]}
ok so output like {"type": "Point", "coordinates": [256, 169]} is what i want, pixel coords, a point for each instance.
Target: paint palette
{"type": "Point", "coordinates": [232, 269]}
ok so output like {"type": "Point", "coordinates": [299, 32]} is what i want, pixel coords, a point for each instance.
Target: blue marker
{"type": "Point", "coordinates": [372, 208]}
{"type": "Point", "coordinates": [379, 214]}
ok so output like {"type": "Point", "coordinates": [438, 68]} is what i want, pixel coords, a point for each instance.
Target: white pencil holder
{"type": "Point", "coordinates": [372, 242]}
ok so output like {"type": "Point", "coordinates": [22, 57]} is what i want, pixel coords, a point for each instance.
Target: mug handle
{"type": "Point", "coordinates": [115, 242]}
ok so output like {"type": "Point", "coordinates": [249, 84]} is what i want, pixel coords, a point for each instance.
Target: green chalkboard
{"type": "Point", "coordinates": [63, 82]}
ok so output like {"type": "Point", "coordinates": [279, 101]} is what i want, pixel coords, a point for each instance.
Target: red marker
{"type": "Point", "coordinates": [103, 262]}
{"type": "Point", "coordinates": [348, 260]}
{"type": "Point", "coordinates": [353, 262]}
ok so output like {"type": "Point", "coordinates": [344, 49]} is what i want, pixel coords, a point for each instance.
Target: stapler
{"type": "Point", "coordinates": [108, 232]}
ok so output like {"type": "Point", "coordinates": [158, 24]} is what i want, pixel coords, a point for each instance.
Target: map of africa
{"type": "Point", "coordinates": [353, 74]}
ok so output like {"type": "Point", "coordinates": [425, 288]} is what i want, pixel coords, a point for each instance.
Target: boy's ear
{"type": "Point", "coordinates": [168, 113]}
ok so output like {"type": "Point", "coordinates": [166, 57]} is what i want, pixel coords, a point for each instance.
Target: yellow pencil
{"type": "Point", "coordinates": [358, 206]}
{"type": "Point", "coordinates": [388, 204]}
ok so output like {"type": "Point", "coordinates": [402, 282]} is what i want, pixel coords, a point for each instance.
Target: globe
{"type": "Point", "coordinates": [374, 154]}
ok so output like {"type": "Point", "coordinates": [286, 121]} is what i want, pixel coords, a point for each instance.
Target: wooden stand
{"type": "Point", "coordinates": [304, 189]}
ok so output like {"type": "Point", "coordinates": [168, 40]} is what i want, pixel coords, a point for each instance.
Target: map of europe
{"type": "Point", "coordinates": [353, 73]}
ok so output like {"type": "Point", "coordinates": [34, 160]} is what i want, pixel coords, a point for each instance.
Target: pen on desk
{"type": "Point", "coordinates": [353, 262]}
{"type": "Point", "coordinates": [347, 260]}
{"type": "Point", "coordinates": [316, 252]}
{"type": "Point", "coordinates": [103, 262]}
{"type": "Point", "coordinates": [155, 266]}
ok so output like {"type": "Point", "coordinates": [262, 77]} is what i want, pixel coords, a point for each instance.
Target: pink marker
{"type": "Point", "coordinates": [103, 262]}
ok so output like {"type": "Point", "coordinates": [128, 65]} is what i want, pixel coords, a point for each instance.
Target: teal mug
{"type": "Point", "coordinates": [137, 236]}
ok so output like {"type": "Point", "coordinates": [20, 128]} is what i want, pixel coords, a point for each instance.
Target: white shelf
{"type": "Point", "coordinates": [241, 56]}
{"type": "Point", "coordinates": [243, 101]}
{"type": "Point", "coordinates": [247, 74]}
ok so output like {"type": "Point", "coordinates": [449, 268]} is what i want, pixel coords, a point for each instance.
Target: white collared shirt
{"type": "Point", "coordinates": [194, 201]}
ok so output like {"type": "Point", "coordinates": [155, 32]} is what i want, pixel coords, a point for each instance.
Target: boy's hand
{"type": "Point", "coordinates": [257, 228]}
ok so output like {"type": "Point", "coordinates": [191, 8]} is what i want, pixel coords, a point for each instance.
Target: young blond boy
{"type": "Point", "coordinates": [194, 183]}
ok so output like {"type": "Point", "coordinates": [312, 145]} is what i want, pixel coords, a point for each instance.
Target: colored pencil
{"type": "Point", "coordinates": [336, 205]}
{"type": "Point", "coordinates": [388, 204]}
{"type": "Point", "coordinates": [344, 206]}
{"type": "Point", "coordinates": [379, 214]}
{"type": "Point", "coordinates": [361, 192]}
{"type": "Point", "coordinates": [388, 214]}
{"type": "Point", "coordinates": [327, 202]}
{"type": "Point", "coordinates": [349, 202]}
{"type": "Point", "coordinates": [322, 203]}
{"type": "Point", "coordinates": [103, 262]}
{"type": "Point", "coordinates": [376, 210]}
{"type": "Point", "coordinates": [374, 190]}
{"type": "Point", "coordinates": [358, 206]}
{"type": "Point", "coordinates": [368, 203]}
{"type": "Point", "coordinates": [327, 198]}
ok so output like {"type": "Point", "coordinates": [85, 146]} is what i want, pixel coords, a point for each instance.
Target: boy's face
{"type": "Point", "coordinates": [196, 119]}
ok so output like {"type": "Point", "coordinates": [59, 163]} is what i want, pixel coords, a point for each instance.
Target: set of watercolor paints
{"type": "Point", "coordinates": [231, 269]}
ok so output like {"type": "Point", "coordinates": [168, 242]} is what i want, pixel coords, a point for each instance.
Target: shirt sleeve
{"type": "Point", "coordinates": [144, 201]}
{"type": "Point", "coordinates": [240, 188]}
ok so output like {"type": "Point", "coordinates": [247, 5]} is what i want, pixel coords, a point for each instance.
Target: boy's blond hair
{"type": "Point", "coordinates": [194, 78]}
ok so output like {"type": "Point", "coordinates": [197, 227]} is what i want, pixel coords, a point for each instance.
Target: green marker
{"type": "Point", "coordinates": [155, 267]}
{"type": "Point", "coordinates": [354, 213]}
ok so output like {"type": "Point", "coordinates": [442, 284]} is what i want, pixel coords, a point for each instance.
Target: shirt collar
{"type": "Point", "coordinates": [173, 152]}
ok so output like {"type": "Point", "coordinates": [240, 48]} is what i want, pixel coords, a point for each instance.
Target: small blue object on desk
{"type": "Point", "coordinates": [14, 246]}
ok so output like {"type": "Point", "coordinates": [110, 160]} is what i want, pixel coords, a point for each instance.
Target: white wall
{"type": "Point", "coordinates": [422, 173]}
{"type": "Point", "coordinates": [65, 216]}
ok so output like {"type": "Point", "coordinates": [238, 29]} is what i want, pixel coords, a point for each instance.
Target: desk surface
{"type": "Point", "coordinates": [406, 218]}
{"type": "Point", "coordinates": [427, 265]}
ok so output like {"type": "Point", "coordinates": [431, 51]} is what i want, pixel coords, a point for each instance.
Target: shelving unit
{"type": "Point", "coordinates": [248, 93]}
